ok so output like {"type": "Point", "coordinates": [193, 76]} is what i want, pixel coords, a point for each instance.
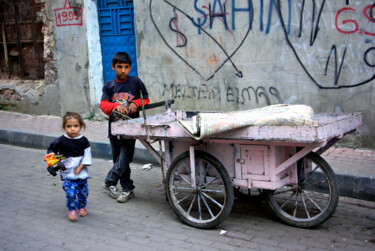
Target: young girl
{"type": "Point", "coordinates": [77, 152]}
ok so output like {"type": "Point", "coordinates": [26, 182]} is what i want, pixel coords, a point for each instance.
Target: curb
{"type": "Point", "coordinates": [357, 187]}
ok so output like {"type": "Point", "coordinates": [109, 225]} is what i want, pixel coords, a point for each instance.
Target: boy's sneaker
{"type": "Point", "coordinates": [125, 197]}
{"type": "Point", "coordinates": [72, 215]}
{"type": "Point", "coordinates": [112, 190]}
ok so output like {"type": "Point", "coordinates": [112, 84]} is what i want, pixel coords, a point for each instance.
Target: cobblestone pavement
{"type": "Point", "coordinates": [33, 216]}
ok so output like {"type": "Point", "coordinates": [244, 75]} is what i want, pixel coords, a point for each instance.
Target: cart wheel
{"type": "Point", "coordinates": [310, 202]}
{"type": "Point", "coordinates": [208, 203]}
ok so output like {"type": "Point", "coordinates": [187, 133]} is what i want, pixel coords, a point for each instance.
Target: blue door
{"type": "Point", "coordinates": [116, 23]}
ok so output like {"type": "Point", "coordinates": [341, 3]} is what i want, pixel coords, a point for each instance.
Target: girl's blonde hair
{"type": "Point", "coordinates": [73, 115]}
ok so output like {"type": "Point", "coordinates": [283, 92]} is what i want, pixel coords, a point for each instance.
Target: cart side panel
{"type": "Point", "coordinates": [290, 172]}
{"type": "Point", "coordinates": [225, 154]}
{"type": "Point", "coordinates": [258, 164]}
{"type": "Point", "coordinates": [222, 152]}
{"type": "Point", "coordinates": [175, 148]}
{"type": "Point", "coordinates": [254, 160]}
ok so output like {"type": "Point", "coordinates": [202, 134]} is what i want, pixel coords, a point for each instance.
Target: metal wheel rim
{"type": "Point", "coordinates": [307, 194]}
{"type": "Point", "coordinates": [208, 197]}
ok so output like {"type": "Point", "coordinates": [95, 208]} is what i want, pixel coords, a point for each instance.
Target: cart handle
{"type": "Point", "coordinates": [168, 103]}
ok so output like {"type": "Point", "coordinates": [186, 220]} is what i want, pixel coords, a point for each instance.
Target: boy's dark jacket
{"type": "Point", "coordinates": [115, 93]}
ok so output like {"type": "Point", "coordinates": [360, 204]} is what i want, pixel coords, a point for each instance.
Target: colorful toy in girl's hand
{"type": "Point", "coordinates": [53, 163]}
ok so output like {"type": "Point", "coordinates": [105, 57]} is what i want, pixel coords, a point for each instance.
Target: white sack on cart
{"type": "Point", "coordinates": [210, 123]}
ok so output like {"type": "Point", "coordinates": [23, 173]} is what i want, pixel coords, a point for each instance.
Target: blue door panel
{"type": "Point", "coordinates": [116, 21]}
{"type": "Point", "coordinates": [114, 3]}
{"type": "Point", "coordinates": [116, 24]}
{"type": "Point", "coordinates": [113, 44]}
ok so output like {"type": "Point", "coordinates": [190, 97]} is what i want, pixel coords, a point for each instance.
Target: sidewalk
{"type": "Point", "coordinates": [354, 168]}
{"type": "Point", "coordinates": [33, 216]}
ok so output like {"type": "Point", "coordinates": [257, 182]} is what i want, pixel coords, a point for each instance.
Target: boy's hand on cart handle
{"type": "Point", "coordinates": [132, 108]}
{"type": "Point", "coordinates": [121, 109]}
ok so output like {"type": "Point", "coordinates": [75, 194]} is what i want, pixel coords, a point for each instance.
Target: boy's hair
{"type": "Point", "coordinates": [121, 57]}
{"type": "Point", "coordinates": [73, 115]}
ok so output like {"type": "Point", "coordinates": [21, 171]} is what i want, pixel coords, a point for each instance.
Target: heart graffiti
{"type": "Point", "coordinates": [220, 48]}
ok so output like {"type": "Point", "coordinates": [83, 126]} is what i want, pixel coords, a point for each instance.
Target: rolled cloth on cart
{"type": "Point", "coordinates": [209, 123]}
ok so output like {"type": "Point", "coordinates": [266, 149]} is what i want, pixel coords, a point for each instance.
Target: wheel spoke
{"type": "Point", "coordinates": [287, 200]}
{"type": "Point", "coordinates": [208, 208]}
{"type": "Point", "coordinates": [296, 206]}
{"type": "Point", "coordinates": [305, 206]}
{"type": "Point", "coordinates": [316, 183]}
{"type": "Point", "coordinates": [176, 189]}
{"type": "Point", "coordinates": [209, 182]}
{"type": "Point", "coordinates": [191, 205]}
{"type": "Point", "coordinates": [312, 201]}
{"type": "Point", "coordinates": [184, 198]}
{"type": "Point", "coordinates": [207, 169]}
{"type": "Point", "coordinates": [310, 174]}
{"type": "Point", "coordinates": [186, 167]}
{"type": "Point", "coordinates": [199, 208]}
{"type": "Point", "coordinates": [318, 195]}
{"type": "Point", "coordinates": [185, 180]}
{"type": "Point", "coordinates": [214, 201]}
{"type": "Point", "coordinates": [213, 191]}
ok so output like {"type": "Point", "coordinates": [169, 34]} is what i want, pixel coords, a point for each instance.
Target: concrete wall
{"type": "Point", "coordinates": [77, 54]}
{"type": "Point", "coordinates": [236, 55]}
{"type": "Point", "coordinates": [72, 59]}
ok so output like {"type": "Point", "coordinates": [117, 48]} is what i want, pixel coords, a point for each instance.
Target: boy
{"type": "Point", "coordinates": [122, 95]}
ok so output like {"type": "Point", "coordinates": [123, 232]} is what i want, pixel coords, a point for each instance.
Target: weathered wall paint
{"type": "Point", "coordinates": [233, 55]}
{"type": "Point", "coordinates": [95, 68]}
{"type": "Point", "coordinates": [72, 60]}
{"type": "Point", "coordinates": [77, 55]}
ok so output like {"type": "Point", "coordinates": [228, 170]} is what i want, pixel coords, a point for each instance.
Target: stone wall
{"type": "Point", "coordinates": [36, 96]}
{"type": "Point", "coordinates": [73, 70]}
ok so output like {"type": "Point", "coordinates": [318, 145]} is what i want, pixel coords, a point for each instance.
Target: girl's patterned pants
{"type": "Point", "coordinates": [77, 192]}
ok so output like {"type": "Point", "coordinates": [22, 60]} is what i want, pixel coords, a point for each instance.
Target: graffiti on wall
{"type": "Point", "coordinates": [336, 53]}
{"type": "Point", "coordinates": [332, 41]}
{"type": "Point", "coordinates": [243, 96]}
{"type": "Point", "coordinates": [201, 26]}
{"type": "Point", "coordinates": [68, 15]}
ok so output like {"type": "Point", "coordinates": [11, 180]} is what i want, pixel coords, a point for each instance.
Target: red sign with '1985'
{"type": "Point", "coordinates": [68, 15]}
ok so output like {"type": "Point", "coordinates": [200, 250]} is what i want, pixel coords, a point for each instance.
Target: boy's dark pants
{"type": "Point", "coordinates": [122, 154]}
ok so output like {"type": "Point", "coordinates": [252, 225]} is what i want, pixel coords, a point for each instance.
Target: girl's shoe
{"type": "Point", "coordinates": [82, 212]}
{"type": "Point", "coordinates": [72, 215]}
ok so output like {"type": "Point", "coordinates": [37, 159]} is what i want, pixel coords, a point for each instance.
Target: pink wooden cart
{"type": "Point", "coordinates": [283, 162]}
